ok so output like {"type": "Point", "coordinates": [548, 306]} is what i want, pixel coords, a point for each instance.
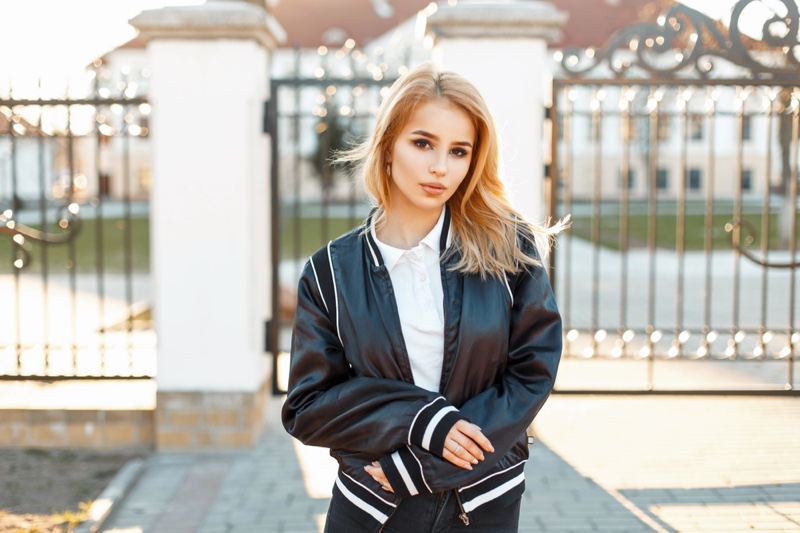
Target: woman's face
{"type": "Point", "coordinates": [430, 158]}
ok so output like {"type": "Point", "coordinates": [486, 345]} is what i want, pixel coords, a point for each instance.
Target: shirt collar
{"type": "Point", "coordinates": [392, 255]}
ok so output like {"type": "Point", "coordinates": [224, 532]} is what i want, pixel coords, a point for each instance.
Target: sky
{"type": "Point", "coordinates": [59, 37]}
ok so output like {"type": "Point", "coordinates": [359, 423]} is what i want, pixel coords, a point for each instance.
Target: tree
{"type": "Point", "coordinates": [334, 134]}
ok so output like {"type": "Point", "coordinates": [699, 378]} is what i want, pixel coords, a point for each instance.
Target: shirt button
{"type": "Point", "coordinates": [423, 277]}
{"type": "Point", "coordinates": [428, 302]}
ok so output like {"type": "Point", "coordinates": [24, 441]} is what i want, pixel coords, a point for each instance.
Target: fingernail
{"type": "Point", "coordinates": [475, 461]}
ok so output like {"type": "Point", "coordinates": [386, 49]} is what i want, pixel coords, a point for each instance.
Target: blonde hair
{"type": "Point", "coordinates": [486, 228]}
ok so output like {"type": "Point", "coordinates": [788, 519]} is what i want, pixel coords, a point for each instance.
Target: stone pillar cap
{"type": "Point", "coordinates": [498, 19]}
{"type": "Point", "coordinates": [232, 19]}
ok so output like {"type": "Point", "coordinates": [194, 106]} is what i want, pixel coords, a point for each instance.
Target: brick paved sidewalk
{"type": "Point", "coordinates": [602, 463]}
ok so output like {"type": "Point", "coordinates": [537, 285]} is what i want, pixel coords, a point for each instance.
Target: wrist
{"type": "Point", "coordinates": [432, 424]}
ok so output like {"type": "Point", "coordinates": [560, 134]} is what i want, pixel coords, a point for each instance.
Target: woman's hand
{"type": "Point", "coordinates": [464, 447]}
{"type": "Point", "coordinates": [377, 474]}
{"type": "Point", "coordinates": [465, 444]}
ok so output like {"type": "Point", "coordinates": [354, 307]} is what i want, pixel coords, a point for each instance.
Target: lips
{"type": "Point", "coordinates": [433, 188]}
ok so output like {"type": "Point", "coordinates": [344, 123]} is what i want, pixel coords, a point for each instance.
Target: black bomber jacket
{"type": "Point", "coordinates": [351, 387]}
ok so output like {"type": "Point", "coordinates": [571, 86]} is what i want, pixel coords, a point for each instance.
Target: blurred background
{"type": "Point", "coordinates": [165, 173]}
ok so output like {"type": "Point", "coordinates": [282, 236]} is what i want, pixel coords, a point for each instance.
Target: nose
{"type": "Point", "coordinates": [438, 168]}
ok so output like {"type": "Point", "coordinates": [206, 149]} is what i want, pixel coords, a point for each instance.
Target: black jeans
{"type": "Point", "coordinates": [426, 513]}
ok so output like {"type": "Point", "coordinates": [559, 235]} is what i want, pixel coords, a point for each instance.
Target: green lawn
{"type": "Point", "coordinates": [301, 239]}
{"type": "Point", "coordinates": [300, 242]}
{"type": "Point", "coordinates": [666, 229]}
{"type": "Point", "coordinates": [297, 241]}
{"type": "Point", "coordinates": [84, 249]}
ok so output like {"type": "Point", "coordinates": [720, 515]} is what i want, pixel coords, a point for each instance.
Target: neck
{"type": "Point", "coordinates": [403, 231]}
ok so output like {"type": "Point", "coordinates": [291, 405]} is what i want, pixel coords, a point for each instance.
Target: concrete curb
{"type": "Point", "coordinates": [111, 496]}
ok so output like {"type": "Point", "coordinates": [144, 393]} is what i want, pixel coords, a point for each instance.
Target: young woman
{"type": "Point", "coordinates": [426, 341]}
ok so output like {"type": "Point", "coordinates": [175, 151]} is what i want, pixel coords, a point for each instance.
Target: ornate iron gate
{"type": "Point", "coordinates": [309, 118]}
{"type": "Point", "coordinates": [74, 231]}
{"type": "Point", "coordinates": [674, 148]}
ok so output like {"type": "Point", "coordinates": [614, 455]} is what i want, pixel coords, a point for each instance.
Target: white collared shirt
{"type": "Point", "coordinates": [417, 281]}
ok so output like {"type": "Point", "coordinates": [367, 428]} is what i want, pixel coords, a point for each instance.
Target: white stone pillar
{"type": "Point", "coordinates": [501, 47]}
{"type": "Point", "coordinates": [209, 219]}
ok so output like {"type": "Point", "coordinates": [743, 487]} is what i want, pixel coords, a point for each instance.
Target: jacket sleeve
{"type": "Point", "coordinates": [329, 406]}
{"type": "Point", "coordinates": [505, 410]}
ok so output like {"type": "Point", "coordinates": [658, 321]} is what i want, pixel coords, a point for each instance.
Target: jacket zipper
{"type": "Point", "coordinates": [390, 515]}
{"type": "Point", "coordinates": [445, 296]}
{"type": "Point", "coordinates": [463, 516]}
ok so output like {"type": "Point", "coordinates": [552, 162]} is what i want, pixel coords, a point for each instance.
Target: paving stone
{"type": "Point", "coordinates": [609, 464]}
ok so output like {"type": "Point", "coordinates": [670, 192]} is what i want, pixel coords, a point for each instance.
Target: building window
{"type": "Point", "coordinates": [662, 178]}
{"type": "Point", "coordinates": [631, 179]}
{"type": "Point", "coordinates": [696, 127]}
{"type": "Point", "coordinates": [747, 179]}
{"type": "Point", "coordinates": [694, 179]}
{"type": "Point", "coordinates": [746, 127]}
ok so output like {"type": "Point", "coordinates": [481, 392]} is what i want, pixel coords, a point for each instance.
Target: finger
{"type": "Point", "coordinates": [464, 448]}
{"type": "Point", "coordinates": [474, 432]}
{"type": "Point", "coordinates": [380, 479]}
{"type": "Point", "coordinates": [376, 473]}
{"type": "Point", "coordinates": [449, 456]}
{"type": "Point", "coordinates": [462, 445]}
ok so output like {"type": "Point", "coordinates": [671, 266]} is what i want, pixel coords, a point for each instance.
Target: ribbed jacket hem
{"type": "Point", "coordinates": [404, 473]}
{"type": "Point", "coordinates": [499, 489]}
{"type": "Point", "coordinates": [376, 507]}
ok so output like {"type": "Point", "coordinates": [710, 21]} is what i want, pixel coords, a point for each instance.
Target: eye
{"type": "Point", "coordinates": [459, 152]}
{"type": "Point", "coordinates": [421, 143]}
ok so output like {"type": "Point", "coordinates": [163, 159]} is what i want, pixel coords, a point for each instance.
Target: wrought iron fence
{"type": "Point", "coordinates": [74, 230]}
{"type": "Point", "coordinates": [319, 106]}
{"type": "Point", "coordinates": [674, 148]}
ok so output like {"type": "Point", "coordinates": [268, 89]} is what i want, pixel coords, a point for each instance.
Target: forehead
{"type": "Point", "coordinates": [441, 118]}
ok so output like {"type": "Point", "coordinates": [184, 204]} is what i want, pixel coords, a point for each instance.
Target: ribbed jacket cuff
{"type": "Point", "coordinates": [431, 425]}
{"type": "Point", "coordinates": [404, 473]}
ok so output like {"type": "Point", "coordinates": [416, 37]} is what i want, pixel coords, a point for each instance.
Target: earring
{"type": "Point", "coordinates": [389, 170]}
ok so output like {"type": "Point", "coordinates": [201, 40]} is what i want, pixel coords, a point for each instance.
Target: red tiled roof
{"type": "Point", "coordinates": [306, 21]}
{"type": "Point", "coordinates": [137, 43]}
{"type": "Point", "coordinates": [592, 22]}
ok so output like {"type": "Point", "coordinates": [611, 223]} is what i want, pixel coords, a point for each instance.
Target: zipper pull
{"type": "Point", "coordinates": [463, 516]}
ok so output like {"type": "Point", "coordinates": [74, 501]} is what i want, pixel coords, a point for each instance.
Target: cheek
{"type": "Point", "coordinates": [463, 167]}
{"type": "Point", "coordinates": [404, 158]}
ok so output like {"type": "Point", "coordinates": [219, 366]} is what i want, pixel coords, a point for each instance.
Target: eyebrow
{"type": "Point", "coordinates": [436, 138]}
